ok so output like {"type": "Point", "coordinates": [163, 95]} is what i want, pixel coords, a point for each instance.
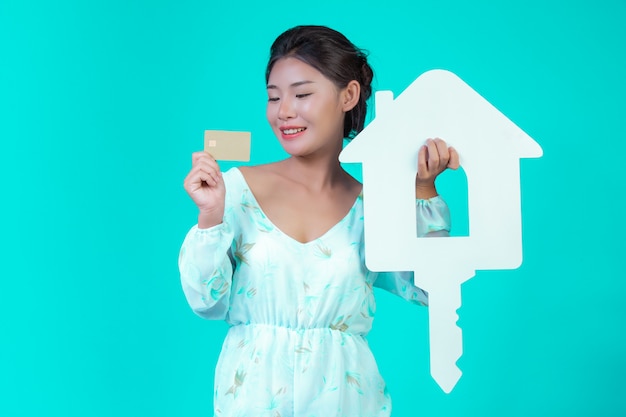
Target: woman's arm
{"type": "Point", "coordinates": [432, 214]}
{"type": "Point", "coordinates": [206, 270]}
{"type": "Point", "coordinates": [433, 220]}
{"type": "Point", "coordinates": [205, 267]}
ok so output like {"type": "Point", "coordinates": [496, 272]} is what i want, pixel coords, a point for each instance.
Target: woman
{"type": "Point", "coordinates": [278, 248]}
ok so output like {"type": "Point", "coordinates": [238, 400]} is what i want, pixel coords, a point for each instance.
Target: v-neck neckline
{"type": "Point", "coordinates": [323, 236]}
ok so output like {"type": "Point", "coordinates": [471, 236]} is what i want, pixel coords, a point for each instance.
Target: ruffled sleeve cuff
{"type": "Point", "coordinates": [206, 270]}
{"type": "Point", "coordinates": [433, 217]}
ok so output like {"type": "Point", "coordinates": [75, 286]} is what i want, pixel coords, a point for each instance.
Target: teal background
{"type": "Point", "coordinates": [102, 103]}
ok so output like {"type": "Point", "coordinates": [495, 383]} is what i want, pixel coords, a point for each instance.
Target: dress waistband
{"type": "Point", "coordinates": [299, 330]}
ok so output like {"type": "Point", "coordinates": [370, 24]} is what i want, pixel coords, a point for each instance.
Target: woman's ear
{"type": "Point", "coordinates": [350, 95]}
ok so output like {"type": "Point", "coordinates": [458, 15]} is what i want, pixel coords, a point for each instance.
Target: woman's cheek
{"type": "Point", "coordinates": [270, 114]}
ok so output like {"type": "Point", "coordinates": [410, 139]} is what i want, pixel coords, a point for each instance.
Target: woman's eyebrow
{"type": "Point", "coordinates": [296, 84]}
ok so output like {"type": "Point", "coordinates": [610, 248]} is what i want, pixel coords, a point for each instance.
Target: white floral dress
{"type": "Point", "coordinates": [298, 312]}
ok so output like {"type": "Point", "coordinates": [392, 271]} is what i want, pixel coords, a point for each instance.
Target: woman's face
{"type": "Point", "coordinates": [304, 108]}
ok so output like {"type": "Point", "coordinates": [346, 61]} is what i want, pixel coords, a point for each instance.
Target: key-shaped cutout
{"type": "Point", "coordinates": [446, 337]}
{"type": "Point", "coordinates": [440, 104]}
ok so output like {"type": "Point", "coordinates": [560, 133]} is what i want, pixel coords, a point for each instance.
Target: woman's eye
{"type": "Point", "coordinates": [272, 99]}
{"type": "Point", "coordinates": [303, 95]}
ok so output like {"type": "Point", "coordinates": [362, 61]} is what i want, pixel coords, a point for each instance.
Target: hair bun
{"type": "Point", "coordinates": [367, 75]}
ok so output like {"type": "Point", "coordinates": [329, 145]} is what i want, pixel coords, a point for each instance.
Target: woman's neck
{"type": "Point", "coordinates": [317, 174]}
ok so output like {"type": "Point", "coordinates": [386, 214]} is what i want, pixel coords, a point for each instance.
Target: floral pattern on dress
{"type": "Point", "coordinates": [299, 313]}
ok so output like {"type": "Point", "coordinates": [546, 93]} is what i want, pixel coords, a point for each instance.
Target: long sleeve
{"type": "Point", "coordinates": [206, 270]}
{"type": "Point", "coordinates": [433, 220]}
{"type": "Point", "coordinates": [433, 217]}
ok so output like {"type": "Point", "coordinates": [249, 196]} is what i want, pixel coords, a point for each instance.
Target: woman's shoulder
{"type": "Point", "coordinates": [233, 178]}
{"type": "Point", "coordinates": [262, 177]}
{"type": "Point", "coordinates": [271, 168]}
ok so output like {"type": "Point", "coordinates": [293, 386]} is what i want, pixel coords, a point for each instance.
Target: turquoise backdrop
{"type": "Point", "coordinates": [102, 103]}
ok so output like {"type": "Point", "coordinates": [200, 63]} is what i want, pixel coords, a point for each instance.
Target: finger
{"type": "Point", "coordinates": [202, 174]}
{"type": "Point", "coordinates": [195, 156]}
{"type": "Point", "coordinates": [201, 155]}
{"type": "Point", "coordinates": [207, 162]}
{"type": "Point", "coordinates": [454, 161]}
{"type": "Point", "coordinates": [422, 167]}
{"type": "Point", "coordinates": [193, 180]}
{"type": "Point", "coordinates": [213, 174]}
{"type": "Point", "coordinates": [442, 149]}
{"type": "Point", "coordinates": [433, 155]}
{"type": "Point", "coordinates": [208, 178]}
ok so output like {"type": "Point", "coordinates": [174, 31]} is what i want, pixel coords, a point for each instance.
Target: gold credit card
{"type": "Point", "coordinates": [225, 145]}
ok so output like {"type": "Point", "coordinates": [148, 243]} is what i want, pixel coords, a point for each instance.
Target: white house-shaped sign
{"type": "Point", "coordinates": [440, 104]}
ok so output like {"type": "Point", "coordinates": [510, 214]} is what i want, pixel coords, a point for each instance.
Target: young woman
{"type": "Point", "coordinates": [278, 248]}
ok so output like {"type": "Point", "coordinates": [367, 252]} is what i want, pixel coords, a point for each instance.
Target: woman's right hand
{"type": "Point", "coordinates": [205, 186]}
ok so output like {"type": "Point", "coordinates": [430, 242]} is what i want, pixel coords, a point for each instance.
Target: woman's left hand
{"type": "Point", "coordinates": [433, 158]}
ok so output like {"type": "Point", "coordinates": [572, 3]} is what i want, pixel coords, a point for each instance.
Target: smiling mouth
{"type": "Point", "coordinates": [293, 131]}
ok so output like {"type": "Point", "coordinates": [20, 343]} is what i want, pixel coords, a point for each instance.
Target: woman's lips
{"type": "Point", "coordinates": [291, 132]}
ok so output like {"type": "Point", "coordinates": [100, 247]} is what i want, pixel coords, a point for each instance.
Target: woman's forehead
{"type": "Point", "coordinates": [290, 71]}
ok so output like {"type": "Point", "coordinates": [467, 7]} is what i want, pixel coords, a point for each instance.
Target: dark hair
{"type": "Point", "coordinates": [332, 54]}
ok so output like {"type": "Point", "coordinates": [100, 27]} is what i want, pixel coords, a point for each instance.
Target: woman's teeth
{"type": "Point", "coordinates": [293, 131]}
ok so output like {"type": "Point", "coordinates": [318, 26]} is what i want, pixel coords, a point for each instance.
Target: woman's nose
{"type": "Point", "coordinates": [286, 109]}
